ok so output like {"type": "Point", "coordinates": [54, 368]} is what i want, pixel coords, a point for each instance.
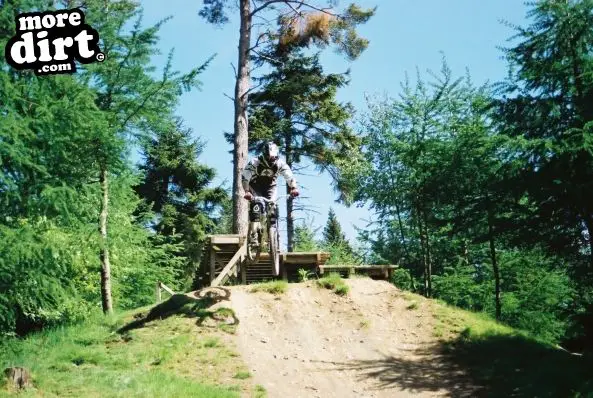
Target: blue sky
{"type": "Point", "coordinates": [404, 35]}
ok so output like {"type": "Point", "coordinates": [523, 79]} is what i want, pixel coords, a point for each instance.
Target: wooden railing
{"type": "Point", "coordinates": [160, 286]}
{"type": "Point", "coordinates": [231, 267]}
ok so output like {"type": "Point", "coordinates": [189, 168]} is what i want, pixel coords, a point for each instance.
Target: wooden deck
{"type": "Point", "coordinates": [224, 261]}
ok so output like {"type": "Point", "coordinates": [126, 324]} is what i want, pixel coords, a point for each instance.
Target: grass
{"type": "Point", "coordinates": [508, 362]}
{"type": "Point", "coordinates": [334, 282]}
{"type": "Point", "coordinates": [305, 275]}
{"type": "Point", "coordinates": [413, 306]}
{"type": "Point", "coordinates": [272, 287]}
{"type": "Point", "coordinates": [174, 356]}
{"type": "Point", "coordinates": [260, 391]}
{"type": "Point", "coordinates": [242, 375]}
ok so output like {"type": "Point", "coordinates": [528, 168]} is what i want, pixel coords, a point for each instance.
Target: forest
{"type": "Point", "coordinates": [481, 193]}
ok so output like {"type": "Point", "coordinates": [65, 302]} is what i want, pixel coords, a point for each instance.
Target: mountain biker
{"type": "Point", "coordinates": [260, 174]}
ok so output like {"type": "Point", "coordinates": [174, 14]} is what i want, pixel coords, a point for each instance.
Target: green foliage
{"type": "Point", "coordinates": [304, 239]}
{"type": "Point", "coordinates": [304, 275]}
{"type": "Point", "coordinates": [340, 254]}
{"type": "Point", "coordinates": [58, 133]}
{"type": "Point", "coordinates": [332, 233]}
{"type": "Point", "coordinates": [37, 265]}
{"type": "Point", "coordinates": [176, 187]}
{"type": "Point", "coordinates": [402, 279]}
{"type": "Point", "coordinates": [459, 286]}
{"type": "Point", "coordinates": [298, 109]}
{"type": "Point", "coordinates": [537, 293]}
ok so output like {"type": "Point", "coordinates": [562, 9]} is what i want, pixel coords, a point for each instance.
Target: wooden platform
{"type": "Point", "coordinates": [224, 262]}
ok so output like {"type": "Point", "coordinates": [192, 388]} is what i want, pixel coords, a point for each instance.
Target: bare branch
{"type": "Point", "coordinates": [229, 97]}
{"type": "Point", "coordinates": [272, 60]}
{"type": "Point", "coordinates": [254, 88]}
{"type": "Point", "coordinates": [265, 5]}
{"type": "Point", "coordinates": [257, 41]}
{"type": "Point", "coordinates": [234, 70]}
{"type": "Point", "coordinates": [289, 3]}
{"type": "Point", "coordinates": [304, 3]}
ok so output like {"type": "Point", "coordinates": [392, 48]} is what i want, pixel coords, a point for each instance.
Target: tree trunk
{"type": "Point", "coordinates": [240, 123]}
{"type": "Point", "coordinates": [18, 377]}
{"type": "Point", "coordinates": [423, 252]}
{"type": "Point", "coordinates": [495, 269]}
{"type": "Point", "coordinates": [289, 201]}
{"type": "Point", "coordinates": [589, 224]}
{"type": "Point", "coordinates": [428, 256]}
{"type": "Point", "coordinates": [465, 251]}
{"type": "Point", "coordinates": [401, 231]}
{"type": "Point", "coordinates": [104, 250]}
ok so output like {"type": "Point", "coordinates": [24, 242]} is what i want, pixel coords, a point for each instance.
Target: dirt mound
{"type": "Point", "coordinates": [309, 342]}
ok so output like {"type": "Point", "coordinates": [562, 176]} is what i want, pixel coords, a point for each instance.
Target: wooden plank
{"type": "Point", "coordinates": [166, 288]}
{"type": "Point", "coordinates": [212, 265]}
{"type": "Point", "coordinates": [226, 240]}
{"type": "Point", "coordinates": [243, 273]}
{"type": "Point", "coordinates": [304, 258]}
{"type": "Point", "coordinates": [225, 273]}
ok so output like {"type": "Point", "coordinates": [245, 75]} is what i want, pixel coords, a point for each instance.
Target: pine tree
{"type": "Point", "coordinates": [304, 239]}
{"type": "Point", "coordinates": [177, 188]}
{"type": "Point", "coordinates": [547, 103]}
{"type": "Point", "coordinates": [297, 108]}
{"type": "Point", "coordinates": [132, 99]}
{"type": "Point", "coordinates": [303, 23]}
{"type": "Point", "coordinates": [332, 233]}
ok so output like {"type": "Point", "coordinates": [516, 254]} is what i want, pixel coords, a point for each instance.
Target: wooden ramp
{"type": "Point", "coordinates": [224, 262]}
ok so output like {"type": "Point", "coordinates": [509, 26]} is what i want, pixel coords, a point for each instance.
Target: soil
{"type": "Point", "coordinates": [310, 342]}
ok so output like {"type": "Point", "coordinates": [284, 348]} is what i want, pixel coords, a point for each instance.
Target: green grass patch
{"type": "Point", "coordinates": [173, 356]}
{"type": "Point", "coordinates": [260, 391]}
{"type": "Point", "coordinates": [242, 375]}
{"type": "Point", "coordinates": [334, 281]}
{"type": "Point", "coordinates": [272, 287]}
{"type": "Point", "coordinates": [508, 362]}
{"type": "Point", "coordinates": [364, 324]}
{"type": "Point", "coordinates": [412, 306]}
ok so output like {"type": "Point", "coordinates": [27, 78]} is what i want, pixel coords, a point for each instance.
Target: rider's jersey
{"type": "Point", "coordinates": [262, 177]}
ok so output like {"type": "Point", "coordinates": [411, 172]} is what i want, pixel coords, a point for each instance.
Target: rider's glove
{"type": "Point", "coordinates": [248, 196]}
{"type": "Point", "coordinates": [294, 192]}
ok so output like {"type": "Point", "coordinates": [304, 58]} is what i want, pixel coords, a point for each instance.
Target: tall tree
{"type": "Point", "coordinates": [332, 233]}
{"type": "Point", "coordinates": [130, 96]}
{"type": "Point", "coordinates": [547, 102]}
{"type": "Point", "coordinates": [408, 143]}
{"type": "Point", "coordinates": [297, 108]}
{"type": "Point", "coordinates": [304, 22]}
{"type": "Point", "coordinates": [177, 187]}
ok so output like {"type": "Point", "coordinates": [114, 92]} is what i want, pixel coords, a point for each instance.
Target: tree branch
{"type": "Point", "coordinates": [289, 3]}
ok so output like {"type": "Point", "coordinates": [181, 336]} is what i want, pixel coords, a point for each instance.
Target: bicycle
{"type": "Point", "coordinates": [261, 230]}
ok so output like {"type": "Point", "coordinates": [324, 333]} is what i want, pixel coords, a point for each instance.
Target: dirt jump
{"type": "Point", "coordinates": [372, 342]}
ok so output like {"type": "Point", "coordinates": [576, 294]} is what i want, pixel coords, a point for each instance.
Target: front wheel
{"type": "Point", "coordinates": [254, 241]}
{"type": "Point", "coordinates": [274, 249]}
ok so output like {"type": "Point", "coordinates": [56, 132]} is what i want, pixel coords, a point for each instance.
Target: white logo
{"type": "Point", "coordinates": [49, 42]}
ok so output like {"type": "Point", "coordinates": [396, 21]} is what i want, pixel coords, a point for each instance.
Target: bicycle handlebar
{"type": "Point", "coordinates": [269, 200]}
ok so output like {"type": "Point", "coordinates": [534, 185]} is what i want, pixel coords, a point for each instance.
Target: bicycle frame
{"type": "Point", "coordinates": [259, 231]}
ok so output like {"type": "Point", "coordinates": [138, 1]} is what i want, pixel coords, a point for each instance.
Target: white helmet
{"type": "Point", "coordinates": [269, 152]}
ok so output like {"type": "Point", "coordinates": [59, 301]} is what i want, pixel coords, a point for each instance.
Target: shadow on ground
{"type": "Point", "coordinates": [193, 305]}
{"type": "Point", "coordinates": [491, 366]}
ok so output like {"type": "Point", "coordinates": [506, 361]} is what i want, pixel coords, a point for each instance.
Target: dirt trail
{"type": "Point", "coordinates": [310, 342]}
